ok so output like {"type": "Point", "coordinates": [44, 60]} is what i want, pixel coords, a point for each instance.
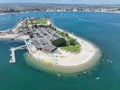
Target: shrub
{"type": "Point", "coordinates": [72, 41]}
{"type": "Point", "coordinates": [59, 42]}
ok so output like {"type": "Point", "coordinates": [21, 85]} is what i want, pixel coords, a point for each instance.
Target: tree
{"type": "Point", "coordinates": [72, 41]}
{"type": "Point", "coordinates": [66, 34]}
{"type": "Point", "coordinates": [59, 42]}
{"type": "Point", "coordinates": [35, 26]}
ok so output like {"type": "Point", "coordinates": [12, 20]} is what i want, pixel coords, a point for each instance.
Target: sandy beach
{"type": "Point", "coordinates": [68, 62]}
{"type": "Point", "coordinates": [88, 51]}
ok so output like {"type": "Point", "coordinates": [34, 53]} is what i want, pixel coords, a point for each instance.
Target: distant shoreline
{"type": "Point", "coordinates": [61, 11]}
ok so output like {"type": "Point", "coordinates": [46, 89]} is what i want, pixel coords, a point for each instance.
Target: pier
{"type": "Point", "coordinates": [13, 59]}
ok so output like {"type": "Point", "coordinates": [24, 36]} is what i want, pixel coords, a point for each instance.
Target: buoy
{"type": "Point", "coordinates": [111, 61]}
{"type": "Point", "coordinates": [58, 75]}
{"type": "Point", "coordinates": [85, 72]}
{"type": "Point", "coordinates": [108, 60]}
{"type": "Point", "coordinates": [97, 78]}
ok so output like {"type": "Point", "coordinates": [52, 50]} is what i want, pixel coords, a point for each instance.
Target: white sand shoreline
{"type": "Point", "coordinates": [86, 58]}
{"type": "Point", "coordinates": [88, 52]}
{"type": "Point", "coordinates": [74, 62]}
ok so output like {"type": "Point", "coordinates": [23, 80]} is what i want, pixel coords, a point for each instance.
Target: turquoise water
{"type": "Point", "coordinates": [103, 29]}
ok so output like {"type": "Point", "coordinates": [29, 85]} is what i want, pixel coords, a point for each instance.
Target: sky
{"type": "Point", "coordinates": [64, 1]}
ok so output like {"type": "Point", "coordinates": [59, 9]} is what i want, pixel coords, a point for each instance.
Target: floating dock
{"type": "Point", "coordinates": [13, 59]}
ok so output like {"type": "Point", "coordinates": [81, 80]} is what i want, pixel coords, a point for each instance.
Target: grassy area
{"type": "Point", "coordinates": [42, 21]}
{"type": "Point", "coordinates": [29, 22]}
{"type": "Point", "coordinates": [69, 47]}
{"type": "Point", "coordinates": [62, 33]}
{"type": "Point", "coordinates": [72, 48]}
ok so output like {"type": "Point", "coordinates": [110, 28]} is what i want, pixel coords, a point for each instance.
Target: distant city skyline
{"type": "Point", "coordinates": [64, 1]}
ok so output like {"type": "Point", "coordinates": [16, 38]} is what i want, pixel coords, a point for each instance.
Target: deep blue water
{"type": "Point", "coordinates": [103, 29]}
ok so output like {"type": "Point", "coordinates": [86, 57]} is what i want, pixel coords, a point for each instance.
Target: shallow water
{"type": "Point", "coordinates": [63, 71]}
{"type": "Point", "coordinates": [103, 29]}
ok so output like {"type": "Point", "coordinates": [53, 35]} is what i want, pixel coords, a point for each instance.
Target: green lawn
{"type": "Point", "coordinates": [29, 22]}
{"type": "Point", "coordinates": [42, 22]}
{"type": "Point", "coordinates": [72, 48]}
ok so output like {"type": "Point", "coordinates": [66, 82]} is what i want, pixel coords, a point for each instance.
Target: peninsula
{"type": "Point", "coordinates": [51, 46]}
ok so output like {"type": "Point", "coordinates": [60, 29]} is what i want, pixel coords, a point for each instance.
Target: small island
{"type": "Point", "coordinates": [52, 47]}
